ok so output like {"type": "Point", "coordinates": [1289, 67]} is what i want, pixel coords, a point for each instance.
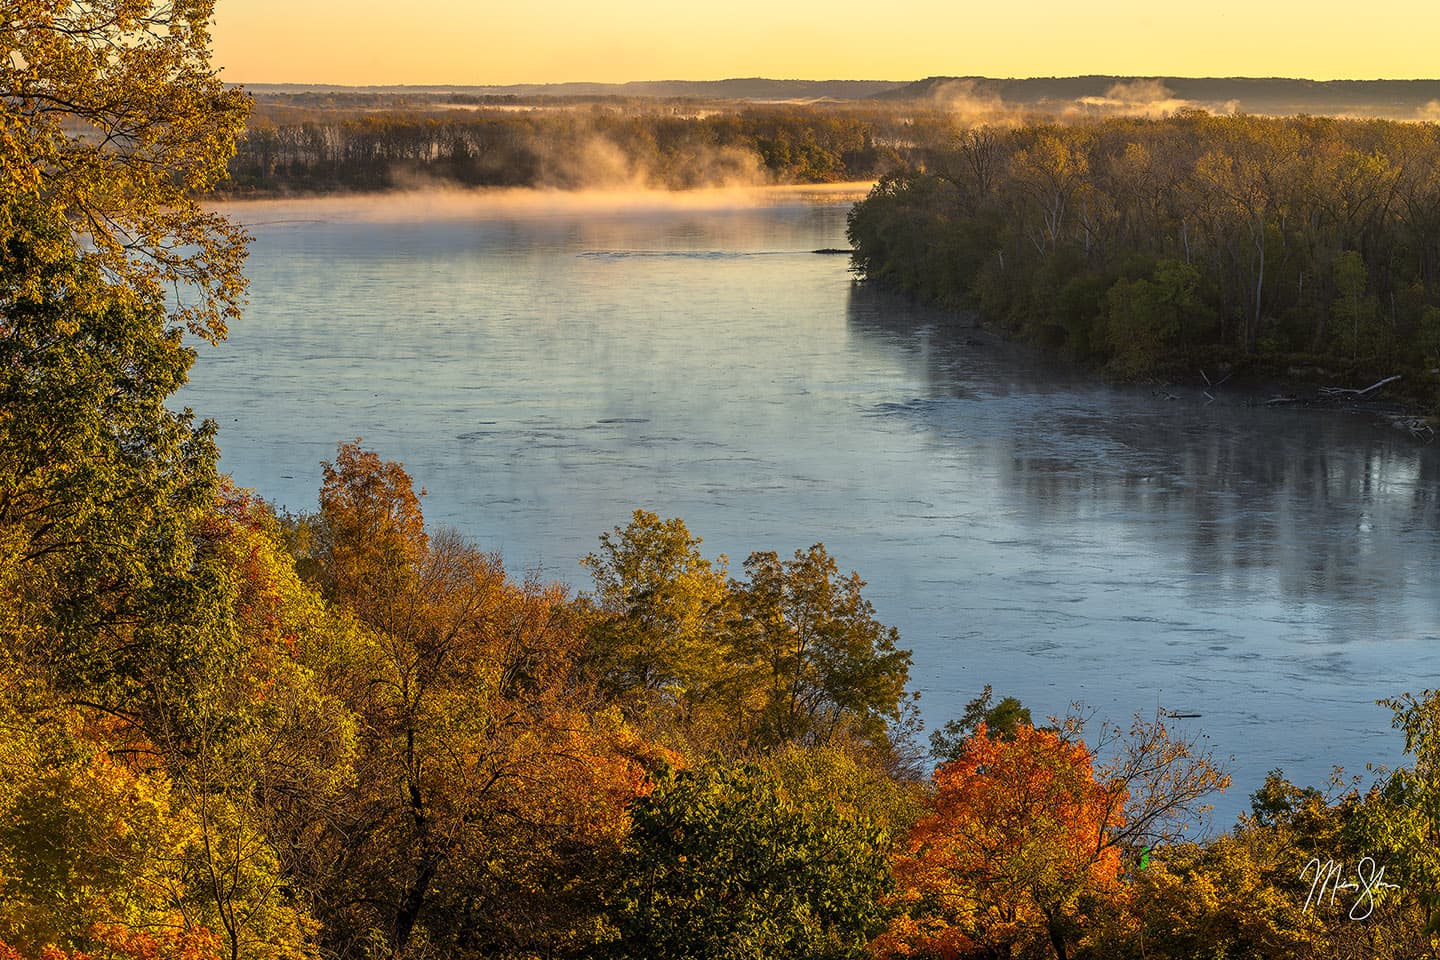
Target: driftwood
{"type": "Point", "coordinates": [1420, 428]}
{"type": "Point", "coordinates": [1344, 393]}
{"type": "Point", "coordinates": [1332, 394]}
{"type": "Point", "coordinates": [1417, 427]}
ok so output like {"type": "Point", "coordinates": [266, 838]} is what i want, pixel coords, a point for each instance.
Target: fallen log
{"type": "Point", "coordinates": [1336, 393]}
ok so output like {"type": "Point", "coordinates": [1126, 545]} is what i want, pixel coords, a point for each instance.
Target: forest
{"type": "Point", "coordinates": [1166, 247]}
{"type": "Point", "coordinates": [311, 144]}
{"type": "Point", "coordinates": [229, 732]}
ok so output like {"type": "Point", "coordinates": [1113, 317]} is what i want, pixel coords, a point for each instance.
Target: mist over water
{"type": "Point", "coordinates": [544, 365]}
{"type": "Point", "coordinates": [447, 204]}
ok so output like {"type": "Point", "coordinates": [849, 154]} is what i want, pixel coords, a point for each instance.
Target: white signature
{"type": "Point", "coordinates": [1369, 880]}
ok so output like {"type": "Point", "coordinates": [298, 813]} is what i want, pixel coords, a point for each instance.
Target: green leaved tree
{"type": "Point", "coordinates": [725, 862]}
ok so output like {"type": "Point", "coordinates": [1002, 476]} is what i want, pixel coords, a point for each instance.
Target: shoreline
{"type": "Point", "coordinates": [1401, 401]}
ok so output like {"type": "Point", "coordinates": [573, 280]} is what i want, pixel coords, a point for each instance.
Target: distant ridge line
{"type": "Point", "coordinates": [1407, 99]}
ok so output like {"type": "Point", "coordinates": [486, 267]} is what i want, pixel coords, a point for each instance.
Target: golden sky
{"type": "Point", "coordinates": [542, 41]}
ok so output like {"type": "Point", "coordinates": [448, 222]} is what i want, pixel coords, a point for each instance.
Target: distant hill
{"type": "Point", "coordinates": [1414, 99]}
{"type": "Point", "coordinates": [747, 88]}
{"type": "Point", "coordinates": [982, 96]}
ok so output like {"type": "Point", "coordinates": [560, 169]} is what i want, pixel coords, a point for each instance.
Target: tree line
{"type": "Point", "coordinates": [1156, 246]}
{"type": "Point", "coordinates": [599, 145]}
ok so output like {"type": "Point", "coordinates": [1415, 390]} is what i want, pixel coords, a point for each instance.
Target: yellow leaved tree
{"type": "Point", "coordinates": [112, 118]}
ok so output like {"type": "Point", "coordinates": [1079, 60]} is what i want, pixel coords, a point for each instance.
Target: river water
{"type": "Point", "coordinates": [544, 365]}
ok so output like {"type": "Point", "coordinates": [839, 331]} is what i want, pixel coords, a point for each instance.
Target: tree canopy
{"type": "Point", "coordinates": [112, 118]}
{"type": "Point", "coordinates": [1156, 247]}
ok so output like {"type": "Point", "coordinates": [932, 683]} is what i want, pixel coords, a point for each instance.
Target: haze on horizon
{"type": "Point", "coordinates": [555, 41]}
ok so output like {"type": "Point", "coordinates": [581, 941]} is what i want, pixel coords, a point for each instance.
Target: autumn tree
{"type": "Point", "coordinates": [791, 654]}
{"type": "Point", "coordinates": [660, 641]}
{"type": "Point", "coordinates": [824, 666]}
{"type": "Point", "coordinates": [267, 761]}
{"type": "Point", "coordinates": [1014, 844]}
{"type": "Point", "coordinates": [490, 780]}
{"type": "Point", "coordinates": [374, 534]}
{"type": "Point", "coordinates": [112, 120]}
{"type": "Point", "coordinates": [98, 854]}
{"type": "Point", "coordinates": [84, 841]}
{"type": "Point", "coordinates": [123, 592]}
{"type": "Point", "coordinates": [1023, 843]}
{"type": "Point", "coordinates": [1168, 777]}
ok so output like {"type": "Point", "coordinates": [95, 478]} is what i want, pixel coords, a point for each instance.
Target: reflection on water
{"type": "Point", "coordinates": [1299, 504]}
{"type": "Point", "coordinates": [1271, 570]}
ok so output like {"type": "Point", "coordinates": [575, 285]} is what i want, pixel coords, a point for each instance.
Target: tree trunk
{"type": "Point", "coordinates": [409, 911]}
{"type": "Point", "coordinates": [1057, 938]}
{"type": "Point", "coordinates": [1254, 335]}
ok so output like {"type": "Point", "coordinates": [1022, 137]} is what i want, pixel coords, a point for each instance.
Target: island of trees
{"type": "Point", "coordinates": [227, 733]}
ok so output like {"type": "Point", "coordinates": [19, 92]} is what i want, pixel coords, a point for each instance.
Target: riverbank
{"type": "Point", "coordinates": [1294, 249]}
{"type": "Point", "coordinates": [1407, 401]}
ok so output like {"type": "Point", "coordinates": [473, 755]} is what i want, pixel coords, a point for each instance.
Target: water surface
{"type": "Point", "coordinates": [545, 367]}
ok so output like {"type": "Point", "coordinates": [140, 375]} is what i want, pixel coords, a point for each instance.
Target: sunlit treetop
{"type": "Point", "coordinates": [112, 117]}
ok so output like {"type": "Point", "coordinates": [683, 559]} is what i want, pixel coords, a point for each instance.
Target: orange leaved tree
{"type": "Point", "coordinates": [1015, 848]}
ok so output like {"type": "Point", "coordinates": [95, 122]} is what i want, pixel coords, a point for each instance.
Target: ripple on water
{"type": "Point", "coordinates": [1020, 524]}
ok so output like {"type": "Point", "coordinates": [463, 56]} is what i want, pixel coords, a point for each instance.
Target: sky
{"type": "Point", "coordinates": [547, 41]}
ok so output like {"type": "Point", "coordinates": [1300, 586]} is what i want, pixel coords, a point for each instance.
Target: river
{"type": "Point", "coordinates": [544, 365]}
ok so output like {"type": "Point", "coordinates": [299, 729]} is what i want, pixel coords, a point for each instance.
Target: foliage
{"type": "Point", "coordinates": [848, 780]}
{"type": "Point", "coordinates": [723, 861]}
{"type": "Point", "coordinates": [791, 654]}
{"type": "Point", "coordinates": [825, 666]}
{"type": "Point", "coordinates": [103, 486]}
{"type": "Point", "coordinates": [1398, 821]}
{"type": "Point", "coordinates": [115, 942]}
{"type": "Point", "coordinates": [1015, 844]}
{"type": "Point", "coordinates": [491, 782]}
{"type": "Point", "coordinates": [375, 532]}
{"type": "Point", "coordinates": [83, 840]}
{"type": "Point", "coordinates": [1237, 896]}
{"type": "Point", "coordinates": [1147, 318]}
{"type": "Point", "coordinates": [1148, 244]}
{"type": "Point", "coordinates": [665, 609]}
{"type": "Point", "coordinates": [111, 119]}
{"type": "Point", "coordinates": [408, 753]}
{"type": "Point", "coordinates": [1000, 720]}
